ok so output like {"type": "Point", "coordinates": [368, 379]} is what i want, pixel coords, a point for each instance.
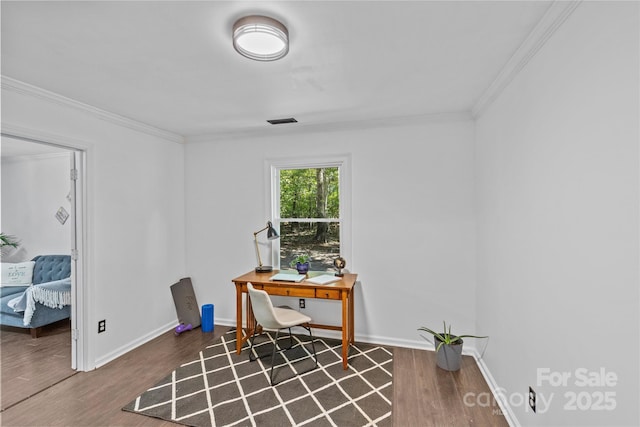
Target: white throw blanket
{"type": "Point", "coordinates": [54, 294]}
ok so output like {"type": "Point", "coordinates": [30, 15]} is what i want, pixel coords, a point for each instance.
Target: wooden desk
{"type": "Point", "coordinates": [341, 290]}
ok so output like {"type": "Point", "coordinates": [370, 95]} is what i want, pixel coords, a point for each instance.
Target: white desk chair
{"type": "Point", "coordinates": [276, 318]}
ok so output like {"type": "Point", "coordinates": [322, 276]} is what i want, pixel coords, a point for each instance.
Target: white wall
{"type": "Point", "coordinates": [412, 213]}
{"type": "Point", "coordinates": [412, 218]}
{"type": "Point", "coordinates": [33, 189]}
{"type": "Point", "coordinates": [558, 197]}
{"type": "Point", "coordinates": [135, 220]}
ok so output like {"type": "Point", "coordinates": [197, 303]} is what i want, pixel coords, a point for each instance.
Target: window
{"type": "Point", "coordinates": [309, 209]}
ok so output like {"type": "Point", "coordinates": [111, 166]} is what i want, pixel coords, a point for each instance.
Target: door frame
{"type": "Point", "coordinates": [80, 308]}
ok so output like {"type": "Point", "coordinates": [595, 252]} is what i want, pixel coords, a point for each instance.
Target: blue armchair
{"type": "Point", "coordinates": [47, 269]}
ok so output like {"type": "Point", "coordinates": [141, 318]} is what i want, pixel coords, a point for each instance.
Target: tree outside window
{"type": "Point", "coordinates": [309, 215]}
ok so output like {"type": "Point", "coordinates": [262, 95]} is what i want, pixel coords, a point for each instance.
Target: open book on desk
{"type": "Point", "coordinates": [288, 277]}
{"type": "Point", "coordinates": [323, 279]}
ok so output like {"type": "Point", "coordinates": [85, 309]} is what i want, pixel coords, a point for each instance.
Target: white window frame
{"type": "Point", "coordinates": [343, 163]}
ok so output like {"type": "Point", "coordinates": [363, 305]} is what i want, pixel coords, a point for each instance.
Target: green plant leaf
{"type": "Point", "coordinates": [446, 337]}
{"type": "Point", "coordinates": [434, 333]}
{"type": "Point", "coordinates": [7, 240]}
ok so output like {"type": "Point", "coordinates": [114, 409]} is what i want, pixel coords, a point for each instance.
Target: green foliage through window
{"type": "Point", "coordinates": [309, 193]}
{"type": "Point", "coordinates": [310, 215]}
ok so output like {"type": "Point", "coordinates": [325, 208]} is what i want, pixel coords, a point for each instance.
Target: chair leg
{"type": "Point", "coordinates": [253, 336]}
{"type": "Point", "coordinates": [275, 344]}
{"type": "Point", "coordinates": [276, 348]}
{"type": "Point", "coordinates": [273, 357]}
{"type": "Point", "coordinates": [313, 346]}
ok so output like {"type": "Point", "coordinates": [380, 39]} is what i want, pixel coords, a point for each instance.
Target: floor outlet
{"type": "Point", "coordinates": [302, 303]}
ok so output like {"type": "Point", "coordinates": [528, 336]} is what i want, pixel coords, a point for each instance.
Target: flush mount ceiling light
{"type": "Point", "coordinates": [260, 38]}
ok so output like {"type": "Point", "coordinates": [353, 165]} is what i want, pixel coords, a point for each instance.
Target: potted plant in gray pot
{"type": "Point", "coordinates": [448, 347]}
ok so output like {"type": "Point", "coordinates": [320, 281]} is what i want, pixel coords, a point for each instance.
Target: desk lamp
{"type": "Point", "coordinates": [272, 234]}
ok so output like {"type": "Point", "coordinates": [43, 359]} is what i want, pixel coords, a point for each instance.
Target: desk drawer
{"type": "Point", "coordinates": [328, 293]}
{"type": "Point", "coordinates": [290, 292]}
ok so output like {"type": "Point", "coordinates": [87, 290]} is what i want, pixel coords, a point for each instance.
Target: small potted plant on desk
{"type": "Point", "coordinates": [448, 347]}
{"type": "Point", "coordinates": [300, 263]}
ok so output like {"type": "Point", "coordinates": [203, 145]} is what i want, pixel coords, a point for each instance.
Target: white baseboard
{"type": "Point", "coordinates": [134, 344]}
{"type": "Point", "coordinates": [497, 391]}
{"type": "Point", "coordinates": [369, 339]}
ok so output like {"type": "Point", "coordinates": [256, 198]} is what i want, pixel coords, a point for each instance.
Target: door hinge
{"type": "Point", "coordinates": [74, 174]}
{"type": "Point", "coordinates": [74, 254]}
{"type": "Point", "coordinates": [74, 334]}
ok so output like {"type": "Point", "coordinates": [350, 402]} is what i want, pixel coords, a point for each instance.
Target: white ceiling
{"type": "Point", "coordinates": [171, 64]}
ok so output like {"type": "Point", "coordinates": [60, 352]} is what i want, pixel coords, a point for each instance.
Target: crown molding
{"type": "Point", "coordinates": [37, 136]}
{"type": "Point", "coordinates": [17, 86]}
{"type": "Point", "coordinates": [301, 127]}
{"type": "Point", "coordinates": [553, 18]}
{"type": "Point", "coordinates": [31, 157]}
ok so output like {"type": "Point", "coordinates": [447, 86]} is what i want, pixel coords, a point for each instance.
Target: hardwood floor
{"type": "Point", "coordinates": [424, 395]}
{"type": "Point", "coordinates": [30, 365]}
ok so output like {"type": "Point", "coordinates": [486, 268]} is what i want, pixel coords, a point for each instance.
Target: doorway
{"type": "Point", "coordinates": [74, 157]}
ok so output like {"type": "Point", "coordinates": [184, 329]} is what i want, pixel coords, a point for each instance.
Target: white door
{"type": "Point", "coordinates": [77, 277]}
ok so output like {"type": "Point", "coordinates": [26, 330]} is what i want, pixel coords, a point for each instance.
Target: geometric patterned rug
{"type": "Point", "coordinates": [222, 388]}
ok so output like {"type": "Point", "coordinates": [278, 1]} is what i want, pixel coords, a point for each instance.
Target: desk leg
{"type": "Point", "coordinates": [345, 329]}
{"type": "Point", "coordinates": [251, 319]}
{"type": "Point", "coordinates": [238, 319]}
{"type": "Point", "coordinates": [352, 333]}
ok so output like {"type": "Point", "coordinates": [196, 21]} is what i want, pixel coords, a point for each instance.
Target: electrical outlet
{"type": "Point", "coordinates": [532, 399]}
{"type": "Point", "coordinates": [302, 303]}
{"type": "Point", "coordinates": [102, 326]}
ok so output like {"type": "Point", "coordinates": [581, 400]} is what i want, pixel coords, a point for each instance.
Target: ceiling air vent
{"type": "Point", "coordinates": [282, 121]}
